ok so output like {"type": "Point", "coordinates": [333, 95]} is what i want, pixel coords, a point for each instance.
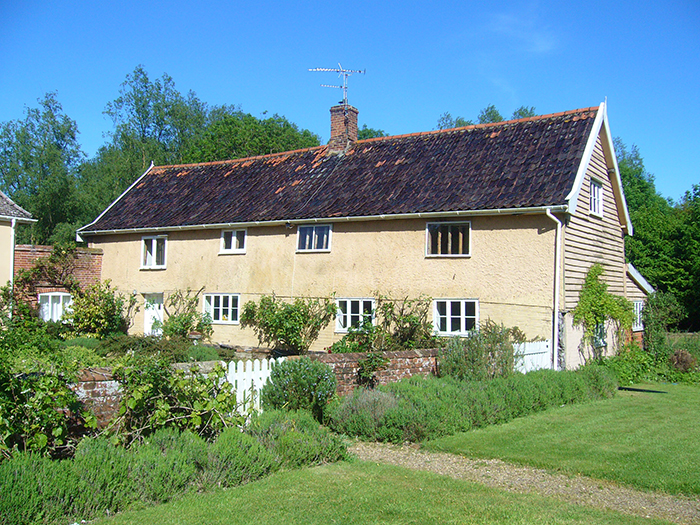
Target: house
{"type": "Point", "coordinates": [498, 221]}
{"type": "Point", "coordinates": [11, 216]}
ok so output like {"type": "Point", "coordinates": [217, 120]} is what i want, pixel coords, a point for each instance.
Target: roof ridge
{"type": "Point", "coordinates": [241, 159]}
{"type": "Point", "coordinates": [481, 126]}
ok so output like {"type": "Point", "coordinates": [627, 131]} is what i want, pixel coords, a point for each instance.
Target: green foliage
{"type": "Point", "coordinates": [447, 121]}
{"type": "Point", "coordinates": [39, 157]}
{"type": "Point", "coordinates": [300, 384]}
{"type": "Point", "coordinates": [661, 311]}
{"type": "Point", "coordinates": [368, 366]}
{"type": "Point", "coordinates": [598, 308]}
{"type": "Point", "coordinates": [40, 413]}
{"type": "Point", "coordinates": [288, 327]}
{"type": "Point", "coordinates": [296, 438]}
{"type": "Point", "coordinates": [156, 396]}
{"type": "Point", "coordinates": [184, 316]}
{"type": "Point", "coordinates": [400, 325]}
{"type": "Point", "coordinates": [175, 349]}
{"type": "Point", "coordinates": [419, 408]}
{"type": "Point", "coordinates": [489, 115]}
{"type": "Point", "coordinates": [524, 112]}
{"type": "Point", "coordinates": [369, 133]}
{"type": "Point", "coordinates": [101, 311]}
{"type": "Point", "coordinates": [104, 479]}
{"type": "Point", "coordinates": [485, 354]}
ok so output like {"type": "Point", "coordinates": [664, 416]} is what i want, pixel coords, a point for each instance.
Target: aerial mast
{"type": "Point", "coordinates": [345, 73]}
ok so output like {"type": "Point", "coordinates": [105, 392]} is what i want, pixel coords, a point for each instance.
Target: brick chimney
{"type": "Point", "coordinates": [343, 128]}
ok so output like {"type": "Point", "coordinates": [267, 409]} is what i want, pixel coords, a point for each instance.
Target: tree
{"type": "Point", "coordinates": [446, 121]}
{"type": "Point", "coordinates": [370, 133]}
{"type": "Point", "coordinates": [489, 115]}
{"type": "Point", "coordinates": [39, 156]}
{"type": "Point", "coordinates": [524, 112]}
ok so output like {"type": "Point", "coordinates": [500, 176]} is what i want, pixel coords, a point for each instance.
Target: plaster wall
{"type": "Point", "coordinates": [510, 269]}
{"type": "Point", "coordinates": [6, 262]}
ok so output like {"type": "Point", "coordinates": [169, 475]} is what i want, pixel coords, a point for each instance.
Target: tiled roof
{"type": "Point", "coordinates": [9, 209]}
{"type": "Point", "coordinates": [516, 164]}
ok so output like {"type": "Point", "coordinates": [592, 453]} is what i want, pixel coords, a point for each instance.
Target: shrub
{"type": "Point", "coordinates": [300, 384]}
{"type": "Point", "coordinates": [596, 308]}
{"type": "Point", "coordinates": [184, 316]}
{"type": "Point", "coordinates": [176, 349]}
{"type": "Point", "coordinates": [101, 311]}
{"type": "Point", "coordinates": [236, 458]}
{"type": "Point", "coordinates": [424, 408]}
{"type": "Point", "coordinates": [156, 396]}
{"type": "Point", "coordinates": [485, 354]}
{"type": "Point", "coordinates": [288, 327]}
{"type": "Point", "coordinates": [296, 438]}
{"type": "Point", "coordinates": [40, 413]}
{"type": "Point", "coordinates": [683, 361]}
{"type": "Point", "coordinates": [661, 311]}
{"type": "Point", "coordinates": [631, 365]}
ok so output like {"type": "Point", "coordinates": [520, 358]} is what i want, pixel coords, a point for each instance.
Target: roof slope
{"type": "Point", "coordinates": [515, 164]}
{"type": "Point", "coordinates": [11, 210]}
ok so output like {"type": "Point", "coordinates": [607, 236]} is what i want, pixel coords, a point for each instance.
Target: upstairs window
{"type": "Point", "coordinates": [596, 198]}
{"type": "Point", "coordinates": [353, 313]}
{"type": "Point", "coordinates": [221, 307]}
{"type": "Point", "coordinates": [315, 238]}
{"type": "Point", "coordinates": [448, 239]}
{"type": "Point", "coordinates": [455, 316]}
{"type": "Point", "coordinates": [53, 305]}
{"type": "Point", "coordinates": [232, 241]}
{"type": "Point", "coordinates": [153, 252]}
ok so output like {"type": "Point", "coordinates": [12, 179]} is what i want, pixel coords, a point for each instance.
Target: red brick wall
{"type": "Point", "coordinates": [401, 364]}
{"type": "Point", "coordinates": [98, 390]}
{"type": "Point", "coordinates": [87, 269]}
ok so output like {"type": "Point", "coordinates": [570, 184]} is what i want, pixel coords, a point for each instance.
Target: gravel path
{"type": "Point", "coordinates": [496, 473]}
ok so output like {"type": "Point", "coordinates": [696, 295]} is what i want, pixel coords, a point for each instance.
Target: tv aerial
{"type": "Point", "coordinates": [345, 73]}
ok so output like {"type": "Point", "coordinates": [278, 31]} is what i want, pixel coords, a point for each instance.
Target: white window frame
{"type": "Point", "coordinates": [58, 303]}
{"type": "Point", "coordinates": [596, 201]}
{"type": "Point", "coordinates": [461, 316]}
{"type": "Point", "coordinates": [238, 241]}
{"type": "Point", "coordinates": [345, 318]}
{"type": "Point", "coordinates": [149, 261]}
{"type": "Point", "coordinates": [314, 232]}
{"type": "Point", "coordinates": [432, 229]}
{"type": "Point", "coordinates": [638, 325]}
{"type": "Point", "coordinates": [227, 314]}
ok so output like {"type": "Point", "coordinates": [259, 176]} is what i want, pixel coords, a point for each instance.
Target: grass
{"type": "Point", "coordinates": [365, 493]}
{"type": "Point", "coordinates": [644, 440]}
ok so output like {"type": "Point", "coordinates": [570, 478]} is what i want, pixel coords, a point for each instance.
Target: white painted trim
{"type": "Point", "coordinates": [572, 197]}
{"type": "Point", "coordinates": [639, 279]}
{"type": "Point", "coordinates": [233, 251]}
{"type": "Point", "coordinates": [314, 226]}
{"type": "Point", "coordinates": [361, 218]}
{"type": "Point", "coordinates": [557, 292]}
{"type": "Point", "coordinates": [78, 236]}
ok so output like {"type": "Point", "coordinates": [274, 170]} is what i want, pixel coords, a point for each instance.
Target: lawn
{"type": "Point", "coordinates": [649, 441]}
{"type": "Point", "coordinates": [366, 493]}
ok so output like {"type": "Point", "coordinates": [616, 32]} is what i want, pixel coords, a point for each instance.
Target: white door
{"type": "Point", "coordinates": [153, 311]}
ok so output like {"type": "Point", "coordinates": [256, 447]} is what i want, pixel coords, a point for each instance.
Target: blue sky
{"type": "Point", "coordinates": [422, 59]}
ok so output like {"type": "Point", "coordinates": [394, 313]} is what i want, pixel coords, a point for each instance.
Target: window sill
{"type": "Point", "coordinates": [313, 251]}
{"type": "Point", "coordinates": [232, 252]}
{"type": "Point", "coordinates": [438, 256]}
{"type": "Point", "coordinates": [151, 268]}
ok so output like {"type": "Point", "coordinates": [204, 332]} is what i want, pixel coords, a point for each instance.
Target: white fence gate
{"type": "Point", "coordinates": [533, 356]}
{"type": "Point", "coordinates": [248, 378]}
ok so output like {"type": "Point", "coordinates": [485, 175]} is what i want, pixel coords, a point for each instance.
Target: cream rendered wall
{"type": "Point", "coordinates": [6, 261]}
{"type": "Point", "coordinates": [510, 270]}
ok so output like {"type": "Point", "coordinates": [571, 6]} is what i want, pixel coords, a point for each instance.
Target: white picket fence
{"type": "Point", "coordinates": [248, 378]}
{"type": "Point", "coordinates": [534, 356]}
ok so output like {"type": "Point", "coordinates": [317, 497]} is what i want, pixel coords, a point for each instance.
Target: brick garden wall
{"type": "Point", "coordinates": [86, 269]}
{"type": "Point", "coordinates": [100, 392]}
{"type": "Point", "coordinates": [401, 364]}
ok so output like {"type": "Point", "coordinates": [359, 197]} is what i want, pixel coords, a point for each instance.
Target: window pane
{"type": "Point", "coordinates": [240, 240]}
{"type": "Point", "coordinates": [470, 308]}
{"type": "Point", "coordinates": [160, 252]}
{"type": "Point", "coordinates": [305, 235]}
{"type": "Point", "coordinates": [147, 252]}
{"type": "Point", "coordinates": [228, 240]}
